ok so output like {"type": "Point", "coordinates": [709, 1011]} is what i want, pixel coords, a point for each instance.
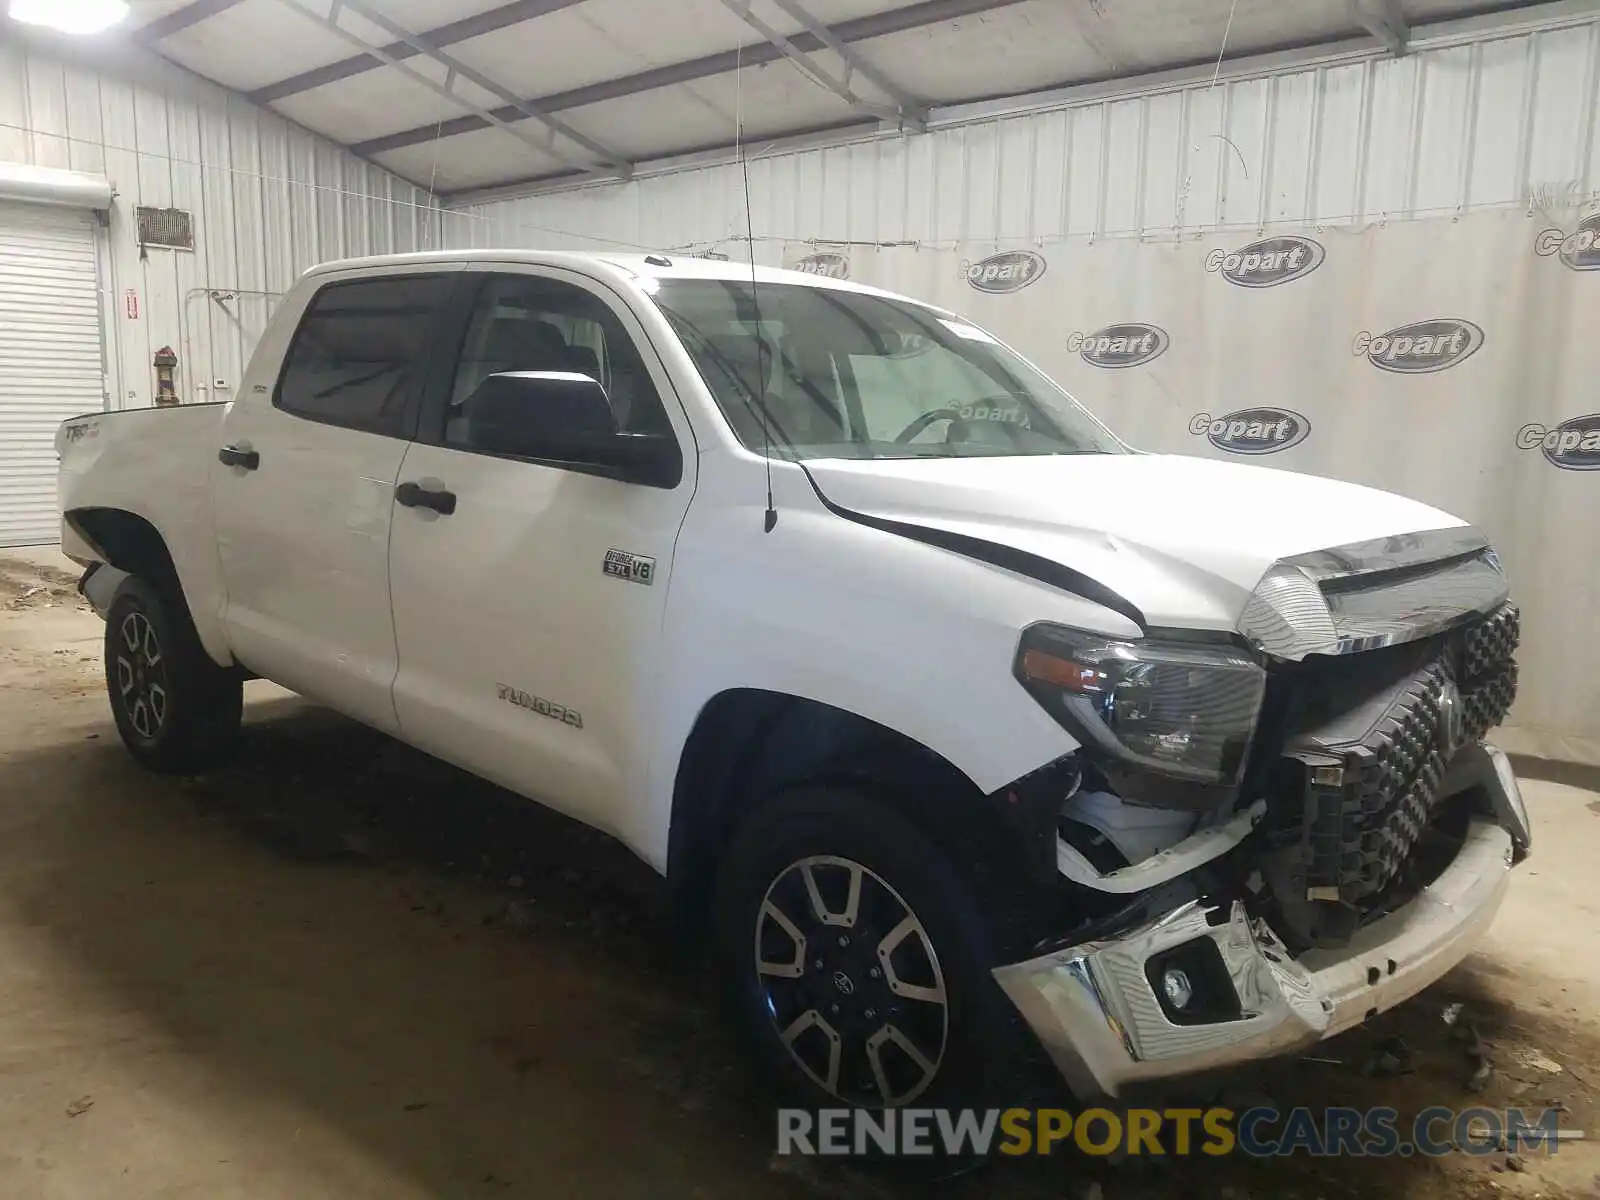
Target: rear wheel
{"type": "Point", "coordinates": [178, 712]}
{"type": "Point", "coordinates": [859, 957]}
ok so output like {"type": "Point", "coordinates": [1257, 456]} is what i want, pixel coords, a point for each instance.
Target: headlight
{"type": "Point", "coordinates": [1182, 709]}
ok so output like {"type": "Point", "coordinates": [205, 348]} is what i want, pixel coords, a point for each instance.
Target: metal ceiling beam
{"type": "Point", "coordinates": [899, 20]}
{"type": "Point", "coordinates": [545, 147]}
{"type": "Point", "coordinates": [526, 108]}
{"type": "Point", "coordinates": [856, 61]}
{"type": "Point", "coordinates": [445, 35]}
{"type": "Point", "coordinates": [181, 18]}
{"type": "Point", "coordinates": [908, 114]}
{"type": "Point", "coordinates": [1505, 18]}
{"type": "Point", "coordinates": [1384, 21]}
{"type": "Point", "coordinates": [705, 154]}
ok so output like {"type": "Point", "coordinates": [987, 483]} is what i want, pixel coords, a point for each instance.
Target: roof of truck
{"type": "Point", "coordinates": [659, 265]}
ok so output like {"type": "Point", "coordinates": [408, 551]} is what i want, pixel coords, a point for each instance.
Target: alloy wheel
{"type": "Point", "coordinates": [142, 676]}
{"type": "Point", "coordinates": [852, 982]}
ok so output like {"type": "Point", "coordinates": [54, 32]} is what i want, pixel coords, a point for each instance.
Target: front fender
{"type": "Point", "coordinates": [914, 638]}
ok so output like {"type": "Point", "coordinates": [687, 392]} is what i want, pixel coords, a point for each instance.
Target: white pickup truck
{"type": "Point", "coordinates": [969, 730]}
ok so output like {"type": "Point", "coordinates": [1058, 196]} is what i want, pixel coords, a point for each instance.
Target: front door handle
{"type": "Point", "coordinates": [414, 495]}
{"type": "Point", "coordinates": [232, 456]}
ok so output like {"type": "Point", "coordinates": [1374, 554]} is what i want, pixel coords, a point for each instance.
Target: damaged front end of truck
{"type": "Point", "coordinates": [1267, 838]}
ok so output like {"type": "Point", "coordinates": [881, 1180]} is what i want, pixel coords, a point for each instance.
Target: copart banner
{"type": "Point", "coordinates": [1456, 361]}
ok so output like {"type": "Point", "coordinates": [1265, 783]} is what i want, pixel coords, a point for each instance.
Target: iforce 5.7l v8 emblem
{"type": "Point", "coordinates": [635, 568]}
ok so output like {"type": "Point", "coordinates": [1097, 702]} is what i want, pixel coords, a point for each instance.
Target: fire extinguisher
{"type": "Point", "coordinates": [166, 389]}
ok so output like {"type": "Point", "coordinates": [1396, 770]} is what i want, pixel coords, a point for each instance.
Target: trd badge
{"type": "Point", "coordinates": [635, 568]}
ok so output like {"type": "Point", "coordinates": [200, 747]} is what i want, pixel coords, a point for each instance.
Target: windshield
{"type": "Point", "coordinates": [845, 375]}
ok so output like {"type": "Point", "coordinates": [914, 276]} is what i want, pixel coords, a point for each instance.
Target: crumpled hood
{"type": "Point", "coordinates": [1183, 540]}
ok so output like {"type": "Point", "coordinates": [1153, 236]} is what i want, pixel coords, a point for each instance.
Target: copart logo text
{"type": "Point", "coordinates": [1579, 249]}
{"type": "Point", "coordinates": [1267, 263]}
{"type": "Point", "coordinates": [1008, 271]}
{"type": "Point", "coordinates": [1131, 344]}
{"type": "Point", "coordinates": [1573, 445]}
{"type": "Point", "coordinates": [1421, 347]}
{"type": "Point", "coordinates": [825, 263]}
{"type": "Point", "coordinates": [1252, 430]}
{"type": "Point", "coordinates": [997, 413]}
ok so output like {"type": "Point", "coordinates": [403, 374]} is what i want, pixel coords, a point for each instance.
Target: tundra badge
{"type": "Point", "coordinates": [537, 704]}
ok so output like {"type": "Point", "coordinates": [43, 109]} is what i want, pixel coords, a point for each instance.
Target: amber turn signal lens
{"type": "Point", "coordinates": [1062, 672]}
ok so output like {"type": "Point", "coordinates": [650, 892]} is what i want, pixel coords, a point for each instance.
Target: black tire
{"type": "Point", "coordinates": [983, 1057]}
{"type": "Point", "coordinates": [178, 712]}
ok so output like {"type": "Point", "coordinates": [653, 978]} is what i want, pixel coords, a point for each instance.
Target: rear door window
{"type": "Point", "coordinates": [358, 358]}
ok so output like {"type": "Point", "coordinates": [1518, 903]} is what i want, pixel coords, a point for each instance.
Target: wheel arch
{"type": "Point", "coordinates": [133, 543]}
{"type": "Point", "coordinates": [126, 541]}
{"type": "Point", "coordinates": [749, 744]}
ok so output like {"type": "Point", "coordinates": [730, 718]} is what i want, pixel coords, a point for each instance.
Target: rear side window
{"type": "Point", "coordinates": [358, 358]}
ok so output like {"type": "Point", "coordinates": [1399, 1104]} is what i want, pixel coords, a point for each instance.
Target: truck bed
{"type": "Point", "coordinates": [154, 464]}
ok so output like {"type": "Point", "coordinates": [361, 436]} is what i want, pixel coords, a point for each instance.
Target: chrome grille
{"type": "Point", "coordinates": [1391, 591]}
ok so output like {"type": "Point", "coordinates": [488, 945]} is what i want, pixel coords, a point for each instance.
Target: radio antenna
{"type": "Point", "coordinates": [771, 521]}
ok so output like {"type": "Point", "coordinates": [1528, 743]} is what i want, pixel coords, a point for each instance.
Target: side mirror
{"type": "Point", "coordinates": [564, 417]}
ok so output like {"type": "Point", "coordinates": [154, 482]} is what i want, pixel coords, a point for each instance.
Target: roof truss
{"type": "Point", "coordinates": [547, 146]}
{"type": "Point", "coordinates": [1384, 21]}
{"type": "Point", "coordinates": [907, 112]}
{"type": "Point", "coordinates": [915, 16]}
{"type": "Point", "coordinates": [439, 37]}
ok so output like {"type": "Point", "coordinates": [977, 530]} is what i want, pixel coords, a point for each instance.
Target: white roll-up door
{"type": "Point", "coordinates": [50, 361]}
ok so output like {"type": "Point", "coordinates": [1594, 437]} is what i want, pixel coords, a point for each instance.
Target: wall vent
{"type": "Point", "coordinates": [172, 228]}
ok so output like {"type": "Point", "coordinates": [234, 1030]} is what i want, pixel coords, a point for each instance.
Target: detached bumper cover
{"type": "Point", "coordinates": [1096, 1013]}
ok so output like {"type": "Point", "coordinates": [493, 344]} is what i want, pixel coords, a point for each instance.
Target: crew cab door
{"type": "Point", "coordinates": [524, 656]}
{"type": "Point", "coordinates": [303, 488]}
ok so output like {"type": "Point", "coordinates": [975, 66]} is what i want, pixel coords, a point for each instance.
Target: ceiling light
{"type": "Point", "coordinates": [70, 16]}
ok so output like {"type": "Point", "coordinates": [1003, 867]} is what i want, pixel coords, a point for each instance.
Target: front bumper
{"type": "Point", "coordinates": [1095, 1010]}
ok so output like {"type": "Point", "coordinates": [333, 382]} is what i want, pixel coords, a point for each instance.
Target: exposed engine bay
{"type": "Point", "coordinates": [1358, 791]}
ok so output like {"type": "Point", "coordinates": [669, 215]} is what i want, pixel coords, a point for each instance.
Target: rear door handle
{"type": "Point", "coordinates": [232, 456]}
{"type": "Point", "coordinates": [414, 495]}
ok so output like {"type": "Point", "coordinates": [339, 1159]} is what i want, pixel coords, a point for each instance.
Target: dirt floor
{"type": "Point", "coordinates": [341, 969]}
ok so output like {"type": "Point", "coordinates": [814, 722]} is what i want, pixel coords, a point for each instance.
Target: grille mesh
{"type": "Point", "coordinates": [1487, 670]}
{"type": "Point", "coordinates": [1359, 838]}
{"type": "Point", "coordinates": [1393, 781]}
{"type": "Point", "coordinates": [1489, 644]}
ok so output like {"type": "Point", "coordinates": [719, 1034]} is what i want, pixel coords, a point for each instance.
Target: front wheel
{"type": "Point", "coordinates": [859, 958]}
{"type": "Point", "coordinates": [178, 712]}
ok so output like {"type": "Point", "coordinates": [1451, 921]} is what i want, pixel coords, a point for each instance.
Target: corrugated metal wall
{"type": "Point", "coordinates": [1501, 120]}
{"type": "Point", "coordinates": [268, 200]}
